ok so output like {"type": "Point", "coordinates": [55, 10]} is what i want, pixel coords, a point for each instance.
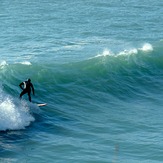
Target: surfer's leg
{"type": "Point", "coordinates": [30, 98]}
{"type": "Point", "coordinates": [22, 93]}
{"type": "Point", "coordinates": [29, 95]}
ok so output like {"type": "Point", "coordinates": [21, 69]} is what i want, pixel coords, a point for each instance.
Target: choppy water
{"type": "Point", "coordinates": [99, 67]}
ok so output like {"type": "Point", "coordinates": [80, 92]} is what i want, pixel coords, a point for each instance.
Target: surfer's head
{"type": "Point", "coordinates": [29, 80]}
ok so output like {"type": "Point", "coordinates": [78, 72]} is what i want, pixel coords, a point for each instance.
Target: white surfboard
{"type": "Point", "coordinates": [39, 105]}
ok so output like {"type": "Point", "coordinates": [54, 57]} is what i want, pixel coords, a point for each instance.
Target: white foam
{"type": "Point", "coordinates": [14, 115]}
{"type": "Point", "coordinates": [146, 47]}
{"type": "Point", "coordinates": [25, 63]}
{"type": "Point", "coordinates": [106, 52]}
{"type": "Point", "coordinates": [128, 52]}
{"type": "Point", "coordinates": [3, 64]}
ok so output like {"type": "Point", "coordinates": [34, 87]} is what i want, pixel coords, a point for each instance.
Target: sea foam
{"type": "Point", "coordinates": [130, 51]}
{"type": "Point", "coordinates": [146, 47]}
{"type": "Point", "coordinates": [14, 115]}
{"type": "Point", "coordinates": [3, 64]}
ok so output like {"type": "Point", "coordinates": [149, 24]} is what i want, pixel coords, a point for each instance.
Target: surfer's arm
{"type": "Point", "coordinates": [20, 85]}
{"type": "Point", "coordinates": [33, 90]}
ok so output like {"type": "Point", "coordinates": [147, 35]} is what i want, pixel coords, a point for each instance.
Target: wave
{"type": "Point", "coordinates": [127, 74]}
{"type": "Point", "coordinates": [146, 56]}
{"type": "Point", "coordinates": [14, 116]}
{"type": "Point", "coordinates": [134, 71]}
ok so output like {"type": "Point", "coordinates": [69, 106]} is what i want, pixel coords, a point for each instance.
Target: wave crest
{"type": "Point", "coordinates": [3, 64]}
{"type": "Point", "coordinates": [146, 47]}
{"type": "Point", "coordinates": [130, 51]}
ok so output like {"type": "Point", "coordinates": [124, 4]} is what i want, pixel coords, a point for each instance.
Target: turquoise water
{"type": "Point", "coordinates": [99, 67]}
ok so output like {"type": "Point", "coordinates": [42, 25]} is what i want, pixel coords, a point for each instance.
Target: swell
{"type": "Point", "coordinates": [135, 70]}
{"type": "Point", "coordinates": [132, 72]}
{"type": "Point", "coordinates": [129, 75]}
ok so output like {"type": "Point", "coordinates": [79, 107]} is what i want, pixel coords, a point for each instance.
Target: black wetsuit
{"type": "Point", "coordinates": [27, 89]}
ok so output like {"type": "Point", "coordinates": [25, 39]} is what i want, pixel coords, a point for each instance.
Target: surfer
{"type": "Point", "coordinates": [27, 88]}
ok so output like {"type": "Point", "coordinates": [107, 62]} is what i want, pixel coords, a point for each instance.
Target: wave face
{"type": "Point", "coordinates": [129, 71]}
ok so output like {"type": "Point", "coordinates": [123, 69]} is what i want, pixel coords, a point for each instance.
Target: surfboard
{"type": "Point", "coordinates": [39, 105]}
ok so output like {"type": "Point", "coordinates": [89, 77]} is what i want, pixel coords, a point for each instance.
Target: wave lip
{"type": "Point", "coordinates": [131, 51]}
{"type": "Point", "coordinates": [147, 47]}
{"type": "Point", "coordinates": [3, 64]}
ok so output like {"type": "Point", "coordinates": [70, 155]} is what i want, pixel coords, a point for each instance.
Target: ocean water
{"type": "Point", "coordinates": [98, 64]}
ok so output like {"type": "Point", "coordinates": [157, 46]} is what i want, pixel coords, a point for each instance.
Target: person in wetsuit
{"type": "Point", "coordinates": [27, 88]}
